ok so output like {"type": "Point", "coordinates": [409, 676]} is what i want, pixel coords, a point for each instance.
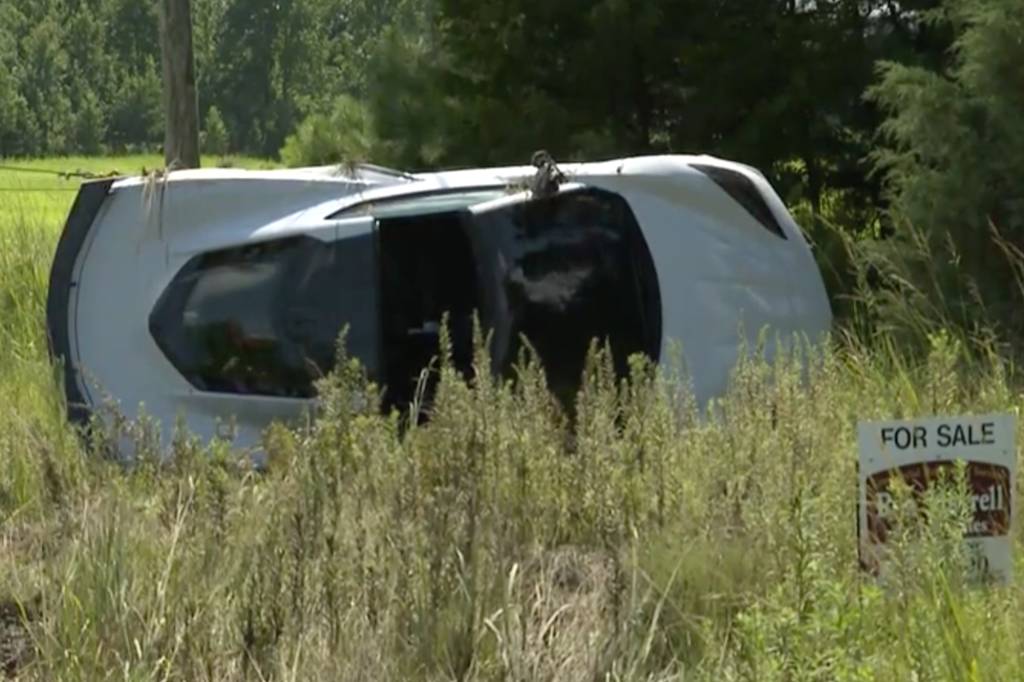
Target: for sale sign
{"type": "Point", "coordinates": [918, 452]}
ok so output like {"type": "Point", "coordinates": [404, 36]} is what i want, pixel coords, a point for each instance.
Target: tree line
{"type": "Point", "coordinates": [83, 76]}
{"type": "Point", "coordinates": [896, 121]}
{"type": "Point", "coordinates": [461, 81]}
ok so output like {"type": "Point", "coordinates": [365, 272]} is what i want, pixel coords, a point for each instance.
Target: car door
{"type": "Point", "coordinates": [561, 271]}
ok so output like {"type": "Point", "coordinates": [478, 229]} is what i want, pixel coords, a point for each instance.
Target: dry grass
{"type": "Point", "coordinates": [498, 541]}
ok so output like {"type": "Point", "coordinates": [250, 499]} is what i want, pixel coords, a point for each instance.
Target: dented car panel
{"type": "Point", "coordinates": [212, 295]}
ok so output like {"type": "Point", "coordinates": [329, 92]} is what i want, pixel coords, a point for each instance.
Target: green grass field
{"type": "Point", "coordinates": [496, 543]}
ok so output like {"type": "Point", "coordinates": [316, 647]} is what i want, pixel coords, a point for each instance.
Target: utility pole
{"type": "Point", "coordinates": [181, 106]}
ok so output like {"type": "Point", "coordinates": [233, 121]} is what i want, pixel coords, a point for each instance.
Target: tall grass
{"type": "Point", "coordinates": [642, 540]}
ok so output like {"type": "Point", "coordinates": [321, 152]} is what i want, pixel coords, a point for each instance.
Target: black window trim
{"type": "Point", "coordinates": [749, 198]}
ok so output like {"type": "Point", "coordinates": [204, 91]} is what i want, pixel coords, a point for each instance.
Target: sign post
{"type": "Point", "coordinates": [917, 451]}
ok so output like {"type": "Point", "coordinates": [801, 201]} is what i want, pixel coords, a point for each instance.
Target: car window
{"type": "Point", "coordinates": [563, 270]}
{"type": "Point", "coordinates": [263, 319]}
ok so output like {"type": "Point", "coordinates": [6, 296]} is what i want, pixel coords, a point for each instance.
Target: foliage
{"type": "Point", "coordinates": [80, 75]}
{"type": "Point", "coordinates": [497, 541]}
{"type": "Point", "coordinates": [215, 133]}
{"type": "Point", "coordinates": [448, 82]}
{"type": "Point", "coordinates": [952, 157]}
{"type": "Point", "coordinates": [346, 134]}
{"type": "Point", "coordinates": [643, 541]}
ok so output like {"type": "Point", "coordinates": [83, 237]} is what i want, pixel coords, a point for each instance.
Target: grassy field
{"type": "Point", "coordinates": [496, 543]}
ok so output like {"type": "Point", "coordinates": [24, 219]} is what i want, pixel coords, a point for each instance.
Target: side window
{"type": "Point", "coordinates": [263, 319]}
{"type": "Point", "coordinates": [562, 271]}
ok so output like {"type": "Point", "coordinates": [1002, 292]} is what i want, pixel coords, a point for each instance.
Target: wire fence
{"type": "Point", "coordinates": [60, 174]}
{"type": "Point", "coordinates": [38, 189]}
{"type": "Point", "coordinates": [65, 175]}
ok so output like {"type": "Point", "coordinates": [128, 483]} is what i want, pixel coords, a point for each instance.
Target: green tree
{"type": "Point", "coordinates": [273, 59]}
{"type": "Point", "coordinates": [91, 73]}
{"type": "Point", "coordinates": [44, 85]}
{"type": "Point", "coordinates": [764, 81]}
{"type": "Point", "coordinates": [90, 125]}
{"type": "Point", "coordinates": [215, 133]}
{"type": "Point", "coordinates": [17, 130]}
{"type": "Point", "coordinates": [345, 135]}
{"type": "Point", "coordinates": [207, 27]}
{"type": "Point", "coordinates": [416, 123]}
{"type": "Point", "coordinates": [136, 116]}
{"type": "Point", "coordinates": [953, 156]}
{"type": "Point", "coordinates": [361, 29]}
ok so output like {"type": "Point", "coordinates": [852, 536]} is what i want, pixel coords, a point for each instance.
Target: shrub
{"type": "Point", "coordinates": [216, 139]}
{"type": "Point", "coordinates": [502, 541]}
{"type": "Point", "coordinates": [343, 134]}
{"type": "Point", "coordinates": [953, 157]}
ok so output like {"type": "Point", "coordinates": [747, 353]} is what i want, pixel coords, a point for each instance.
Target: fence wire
{"type": "Point", "coordinates": [63, 175]}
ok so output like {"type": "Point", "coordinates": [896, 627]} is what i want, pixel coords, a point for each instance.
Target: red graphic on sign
{"type": "Point", "coordinates": [988, 484]}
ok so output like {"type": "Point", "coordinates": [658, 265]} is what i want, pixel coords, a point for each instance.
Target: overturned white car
{"type": "Point", "coordinates": [217, 296]}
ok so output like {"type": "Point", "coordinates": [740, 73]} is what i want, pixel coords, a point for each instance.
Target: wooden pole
{"type": "Point", "coordinates": [181, 106]}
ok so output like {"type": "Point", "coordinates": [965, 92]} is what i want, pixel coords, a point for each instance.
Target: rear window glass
{"type": "Point", "coordinates": [745, 193]}
{"type": "Point", "coordinates": [264, 319]}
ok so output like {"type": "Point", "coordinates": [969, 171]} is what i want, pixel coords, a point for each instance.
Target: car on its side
{"type": "Point", "coordinates": [217, 295]}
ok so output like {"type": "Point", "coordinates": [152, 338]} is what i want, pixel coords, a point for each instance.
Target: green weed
{"type": "Point", "coordinates": [644, 539]}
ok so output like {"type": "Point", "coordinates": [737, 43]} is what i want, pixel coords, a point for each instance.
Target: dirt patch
{"type": "Point", "coordinates": [15, 642]}
{"type": "Point", "coordinates": [560, 617]}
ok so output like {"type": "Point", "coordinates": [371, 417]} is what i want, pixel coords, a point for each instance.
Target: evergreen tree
{"type": "Point", "coordinates": [215, 133]}
{"type": "Point", "coordinates": [345, 135]}
{"type": "Point", "coordinates": [953, 158]}
{"type": "Point", "coordinates": [17, 133]}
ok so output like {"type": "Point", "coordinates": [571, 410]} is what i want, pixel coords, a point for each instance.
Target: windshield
{"type": "Point", "coordinates": [561, 271]}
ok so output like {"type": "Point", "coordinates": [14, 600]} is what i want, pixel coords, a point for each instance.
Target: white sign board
{"type": "Point", "coordinates": [916, 451]}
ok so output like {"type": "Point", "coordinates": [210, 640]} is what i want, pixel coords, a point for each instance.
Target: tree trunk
{"type": "Point", "coordinates": [181, 106]}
